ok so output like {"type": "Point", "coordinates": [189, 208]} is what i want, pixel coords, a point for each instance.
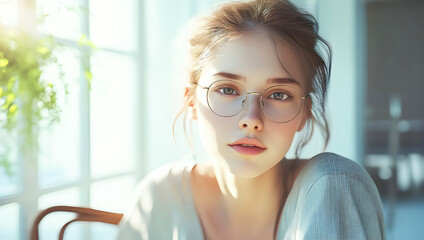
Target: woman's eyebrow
{"type": "Point", "coordinates": [282, 81]}
{"type": "Point", "coordinates": [268, 81]}
{"type": "Point", "coordinates": [229, 76]}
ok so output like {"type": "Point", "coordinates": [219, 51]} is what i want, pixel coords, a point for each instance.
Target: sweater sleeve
{"type": "Point", "coordinates": [341, 206]}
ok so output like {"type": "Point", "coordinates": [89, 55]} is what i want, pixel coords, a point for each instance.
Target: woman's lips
{"type": "Point", "coordinates": [248, 146]}
{"type": "Point", "coordinates": [248, 141]}
{"type": "Point", "coordinates": [248, 150]}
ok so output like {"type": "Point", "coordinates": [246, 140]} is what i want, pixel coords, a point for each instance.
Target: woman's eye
{"type": "Point", "coordinates": [279, 96]}
{"type": "Point", "coordinates": [227, 91]}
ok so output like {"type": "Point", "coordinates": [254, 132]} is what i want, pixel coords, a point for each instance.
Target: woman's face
{"type": "Point", "coordinates": [251, 60]}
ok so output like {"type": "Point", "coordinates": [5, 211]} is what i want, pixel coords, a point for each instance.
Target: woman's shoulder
{"type": "Point", "coordinates": [327, 163]}
{"type": "Point", "coordinates": [170, 176]}
{"type": "Point", "coordinates": [163, 192]}
{"type": "Point", "coordinates": [162, 203]}
{"type": "Point", "coordinates": [172, 169]}
{"type": "Point", "coordinates": [334, 170]}
{"type": "Point", "coordinates": [339, 189]}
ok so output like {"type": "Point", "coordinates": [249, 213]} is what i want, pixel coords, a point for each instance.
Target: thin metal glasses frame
{"type": "Point", "coordinates": [256, 94]}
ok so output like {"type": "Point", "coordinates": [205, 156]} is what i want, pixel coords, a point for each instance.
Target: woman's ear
{"type": "Point", "coordinates": [306, 115]}
{"type": "Point", "coordinates": [189, 100]}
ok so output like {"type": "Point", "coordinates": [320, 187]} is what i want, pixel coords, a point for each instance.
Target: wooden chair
{"type": "Point", "coordinates": [84, 214]}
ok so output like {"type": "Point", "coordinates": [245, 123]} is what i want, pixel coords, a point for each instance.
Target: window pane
{"type": "Point", "coordinates": [103, 231]}
{"type": "Point", "coordinates": [51, 224]}
{"type": "Point", "coordinates": [59, 143]}
{"type": "Point", "coordinates": [113, 24]}
{"type": "Point", "coordinates": [9, 171]}
{"type": "Point", "coordinates": [9, 12]}
{"type": "Point", "coordinates": [61, 18]}
{"type": "Point", "coordinates": [9, 226]}
{"type": "Point", "coordinates": [110, 195]}
{"type": "Point", "coordinates": [113, 139]}
{"type": "Point", "coordinates": [69, 196]}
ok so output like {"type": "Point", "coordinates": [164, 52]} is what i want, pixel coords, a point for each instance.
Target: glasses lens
{"type": "Point", "coordinates": [281, 103]}
{"type": "Point", "coordinates": [225, 98]}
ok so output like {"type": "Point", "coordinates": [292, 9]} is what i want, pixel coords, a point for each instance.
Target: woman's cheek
{"type": "Point", "coordinates": [210, 128]}
{"type": "Point", "coordinates": [281, 134]}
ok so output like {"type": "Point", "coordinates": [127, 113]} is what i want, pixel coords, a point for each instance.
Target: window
{"type": "Point", "coordinates": [90, 157]}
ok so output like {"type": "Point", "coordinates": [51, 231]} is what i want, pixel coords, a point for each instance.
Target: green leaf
{"type": "Point", "coordinates": [34, 74]}
{"type": "Point", "coordinates": [4, 62]}
{"type": "Point", "coordinates": [11, 82]}
{"type": "Point", "coordinates": [43, 50]}
{"type": "Point", "coordinates": [89, 77]}
{"type": "Point", "coordinates": [84, 41]}
{"type": "Point", "coordinates": [5, 106]}
{"type": "Point", "coordinates": [10, 98]}
{"type": "Point", "coordinates": [13, 108]}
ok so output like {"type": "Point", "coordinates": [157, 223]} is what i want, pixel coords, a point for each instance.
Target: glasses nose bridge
{"type": "Point", "coordinates": [254, 94]}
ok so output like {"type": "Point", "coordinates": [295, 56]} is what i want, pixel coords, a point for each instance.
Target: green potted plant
{"type": "Point", "coordinates": [27, 98]}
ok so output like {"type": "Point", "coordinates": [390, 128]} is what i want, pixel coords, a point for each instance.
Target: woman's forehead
{"type": "Point", "coordinates": [254, 55]}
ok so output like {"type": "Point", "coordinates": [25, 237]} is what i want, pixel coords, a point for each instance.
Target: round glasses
{"type": "Point", "coordinates": [280, 103]}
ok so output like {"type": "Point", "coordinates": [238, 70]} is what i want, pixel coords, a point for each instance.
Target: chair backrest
{"type": "Point", "coordinates": [84, 214]}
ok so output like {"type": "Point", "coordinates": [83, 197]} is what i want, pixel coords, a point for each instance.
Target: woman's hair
{"type": "Point", "coordinates": [286, 23]}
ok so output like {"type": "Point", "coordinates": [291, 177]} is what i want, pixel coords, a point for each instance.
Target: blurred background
{"type": "Point", "coordinates": [111, 72]}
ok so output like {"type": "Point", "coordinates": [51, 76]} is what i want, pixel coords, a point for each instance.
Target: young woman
{"type": "Point", "coordinates": [256, 79]}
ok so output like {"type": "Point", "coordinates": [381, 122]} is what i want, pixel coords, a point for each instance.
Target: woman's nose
{"type": "Point", "coordinates": [251, 115]}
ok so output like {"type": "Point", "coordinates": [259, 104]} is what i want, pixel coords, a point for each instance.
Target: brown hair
{"type": "Point", "coordinates": [287, 23]}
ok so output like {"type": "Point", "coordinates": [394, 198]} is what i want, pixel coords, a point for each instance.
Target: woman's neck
{"type": "Point", "coordinates": [239, 208]}
{"type": "Point", "coordinates": [250, 200]}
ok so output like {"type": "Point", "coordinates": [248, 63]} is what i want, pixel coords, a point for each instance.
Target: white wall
{"type": "Point", "coordinates": [338, 25]}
